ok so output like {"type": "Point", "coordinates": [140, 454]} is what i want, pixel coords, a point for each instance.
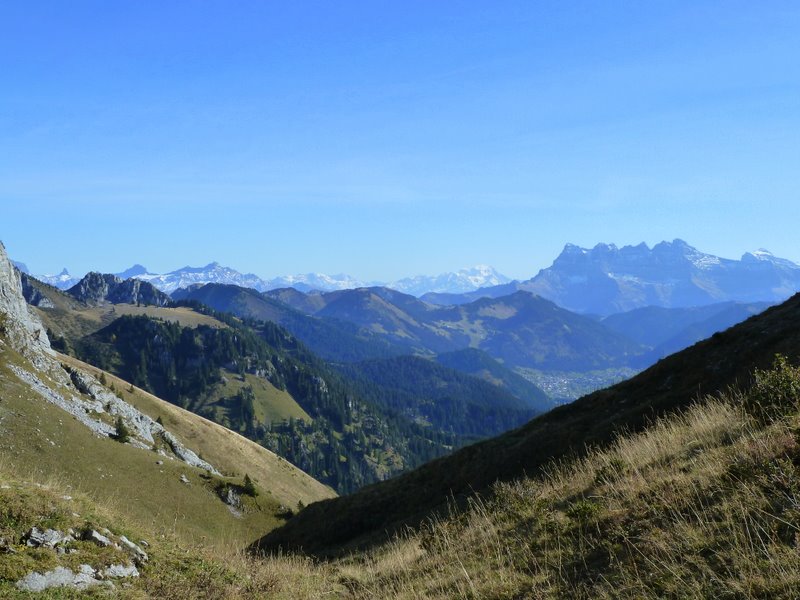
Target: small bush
{"type": "Point", "coordinates": [583, 511]}
{"type": "Point", "coordinates": [775, 392]}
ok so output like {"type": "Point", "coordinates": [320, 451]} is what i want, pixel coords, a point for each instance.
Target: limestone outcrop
{"type": "Point", "coordinates": [72, 390]}
{"type": "Point", "coordinates": [23, 331]}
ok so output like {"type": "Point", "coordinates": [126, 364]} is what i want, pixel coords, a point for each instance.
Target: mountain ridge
{"type": "Point", "coordinates": [608, 279]}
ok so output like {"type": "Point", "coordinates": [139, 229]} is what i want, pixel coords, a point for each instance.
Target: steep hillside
{"type": "Point", "coordinates": [726, 359]}
{"type": "Point", "coordinates": [231, 452]}
{"type": "Point", "coordinates": [258, 380]}
{"type": "Point", "coordinates": [60, 421]}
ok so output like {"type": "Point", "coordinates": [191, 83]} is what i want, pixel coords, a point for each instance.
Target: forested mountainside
{"type": "Point", "coordinates": [258, 379]}
{"type": "Point", "coordinates": [235, 374]}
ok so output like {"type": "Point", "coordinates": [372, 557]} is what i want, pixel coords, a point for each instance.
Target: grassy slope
{"type": "Point", "coordinates": [231, 453]}
{"type": "Point", "coordinates": [703, 504]}
{"type": "Point", "coordinates": [41, 441]}
{"type": "Point", "coordinates": [177, 568]}
{"type": "Point", "coordinates": [271, 404]}
{"type": "Point", "coordinates": [672, 384]}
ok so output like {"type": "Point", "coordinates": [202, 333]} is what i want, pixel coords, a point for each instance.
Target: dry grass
{"type": "Point", "coordinates": [704, 504]}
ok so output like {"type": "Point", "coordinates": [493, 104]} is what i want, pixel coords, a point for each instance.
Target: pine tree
{"type": "Point", "coordinates": [249, 487]}
{"type": "Point", "coordinates": [123, 434]}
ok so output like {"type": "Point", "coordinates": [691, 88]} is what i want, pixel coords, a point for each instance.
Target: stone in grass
{"type": "Point", "coordinates": [49, 538]}
{"type": "Point", "coordinates": [5, 547]}
{"type": "Point", "coordinates": [61, 577]}
{"type": "Point", "coordinates": [119, 572]}
{"type": "Point", "coordinates": [38, 582]}
{"type": "Point", "coordinates": [184, 479]}
{"type": "Point", "coordinates": [90, 535]}
{"type": "Point", "coordinates": [139, 556]}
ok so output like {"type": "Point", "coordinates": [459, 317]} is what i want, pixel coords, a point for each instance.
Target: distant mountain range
{"type": "Point", "coordinates": [606, 279]}
{"type": "Point", "coordinates": [595, 420]}
{"type": "Point", "coordinates": [521, 330]}
{"type": "Point", "coordinates": [602, 280]}
{"type": "Point", "coordinates": [462, 281]}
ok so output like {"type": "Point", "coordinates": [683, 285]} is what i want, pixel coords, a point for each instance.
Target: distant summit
{"type": "Point", "coordinates": [607, 279]}
{"type": "Point", "coordinates": [464, 280]}
{"type": "Point", "coordinates": [188, 276]}
{"type": "Point", "coordinates": [134, 271]}
{"type": "Point", "coordinates": [22, 267]}
{"type": "Point", "coordinates": [62, 281]}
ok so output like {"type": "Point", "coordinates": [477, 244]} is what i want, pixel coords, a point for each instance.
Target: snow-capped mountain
{"type": "Point", "coordinates": [462, 281]}
{"type": "Point", "coordinates": [181, 278]}
{"type": "Point", "coordinates": [62, 281]}
{"type": "Point", "coordinates": [607, 279]}
{"type": "Point", "coordinates": [216, 273]}
{"type": "Point", "coordinates": [316, 281]}
{"type": "Point", "coordinates": [465, 280]}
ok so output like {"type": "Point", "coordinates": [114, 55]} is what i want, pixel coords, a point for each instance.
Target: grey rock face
{"type": "Point", "coordinates": [143, 428]}
{"type": "Point", "coordinates": [98, 288]}
{"type": "Point", "coordinates": [25, 332]}
{"type": "Point", "coordinates": [32, 295]}
{"type": "Point", "coordinates": [607, 279]}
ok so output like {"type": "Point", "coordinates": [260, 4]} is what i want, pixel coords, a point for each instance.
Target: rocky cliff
{"type": "Point", "coordinates": [97, 288]}
{"type": "Point", "coordinates": [21, 330]}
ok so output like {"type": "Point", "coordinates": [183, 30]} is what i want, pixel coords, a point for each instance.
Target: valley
{"type": "Point", "coordinates": [428, 422]}
{"type": "Point", "coordinates": [399, 301]}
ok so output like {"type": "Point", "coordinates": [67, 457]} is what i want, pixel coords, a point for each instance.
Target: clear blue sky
{"type": "Point", "coordinates": [384, 139]}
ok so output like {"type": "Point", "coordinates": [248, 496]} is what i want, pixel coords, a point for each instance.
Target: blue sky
{"type": "Point", "coordinates": [384, 139]}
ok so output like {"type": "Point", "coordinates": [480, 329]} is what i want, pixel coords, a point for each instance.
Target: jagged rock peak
{"type": "Point", "coordinates": [98, 288]}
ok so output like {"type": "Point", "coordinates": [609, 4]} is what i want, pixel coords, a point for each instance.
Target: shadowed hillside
{"type": "Point", "coordinates": [726, 359]}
